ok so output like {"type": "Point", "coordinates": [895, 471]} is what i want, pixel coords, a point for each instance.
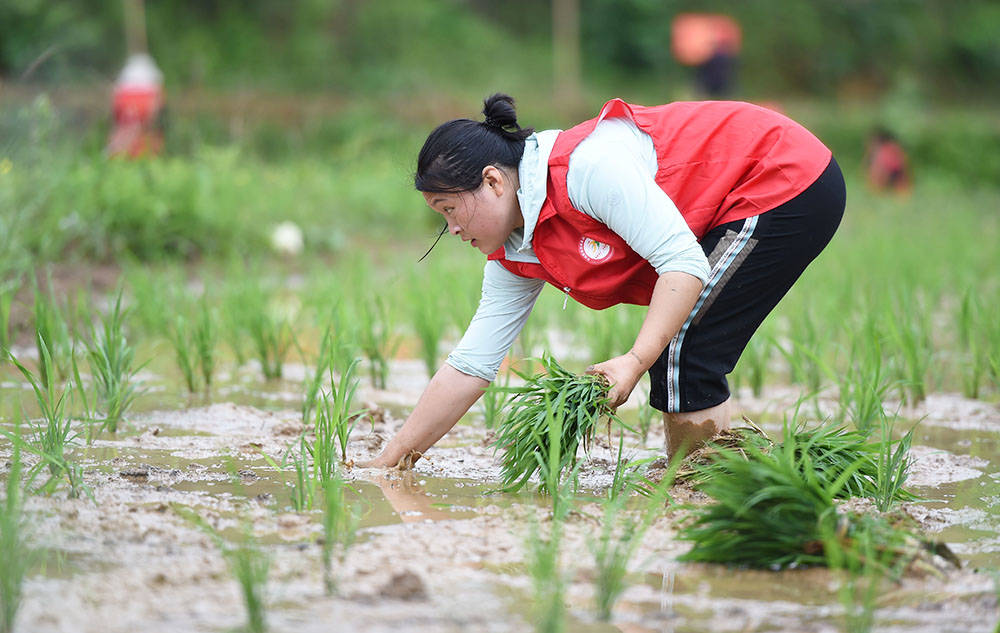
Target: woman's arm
{"type": "Point", "coordinates": [447, 398]}
{"type": "Point", "coordinates": [673, 298]}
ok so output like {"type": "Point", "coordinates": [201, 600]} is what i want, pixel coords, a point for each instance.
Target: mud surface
{"type": "Point", "coordinates": [437, 549]}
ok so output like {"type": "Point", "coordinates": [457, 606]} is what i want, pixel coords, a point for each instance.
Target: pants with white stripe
{"type": "Point", "coordinates": [754, 262]}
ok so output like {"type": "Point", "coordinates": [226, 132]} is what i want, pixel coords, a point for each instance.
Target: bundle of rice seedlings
{"type": "Point", "coordinates": [829, 450]}
{"type": "Point", "coordinates": [776, 509]}
{"type": "Point", "coordinates": [523, 432]}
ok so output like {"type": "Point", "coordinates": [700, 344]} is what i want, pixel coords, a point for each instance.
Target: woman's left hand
{"type": "Point", "coordinates": [622, 373]}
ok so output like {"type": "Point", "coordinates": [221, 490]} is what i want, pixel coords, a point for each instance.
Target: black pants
{"type": "Point", "coordinates": [753, 263]}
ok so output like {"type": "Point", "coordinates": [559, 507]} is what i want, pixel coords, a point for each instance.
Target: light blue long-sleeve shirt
{"type": "Point", "coordinates": [611, 179]}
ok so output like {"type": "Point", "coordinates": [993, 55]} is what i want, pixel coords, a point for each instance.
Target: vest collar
{"type": "Point", "coordinates": [532, 174]}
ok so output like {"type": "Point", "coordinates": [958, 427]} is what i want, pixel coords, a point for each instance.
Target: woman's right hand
{"type": "Point", "coordinates": [447, 398]}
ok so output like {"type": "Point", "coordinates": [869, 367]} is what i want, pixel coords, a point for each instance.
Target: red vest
{"type": "Point", "coordinates": [719, 161]}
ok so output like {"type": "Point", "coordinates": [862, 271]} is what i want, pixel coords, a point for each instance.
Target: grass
{"type": "Point", "coordinates": [112, 367]}
{"type": "Point", "coordinates": [527, 434]}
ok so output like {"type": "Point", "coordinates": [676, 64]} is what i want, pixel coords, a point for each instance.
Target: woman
{"type": "Point", "coordinates": [707, 212]}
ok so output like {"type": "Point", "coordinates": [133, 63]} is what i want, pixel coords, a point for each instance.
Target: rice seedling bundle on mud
{"type": "Point", "coordinates": [773, 506]}
{"type": "Point", "coordinates": [554, 404]}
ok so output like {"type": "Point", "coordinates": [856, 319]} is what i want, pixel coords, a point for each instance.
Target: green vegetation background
{"type": "Point", "coordinates": [313, 111]}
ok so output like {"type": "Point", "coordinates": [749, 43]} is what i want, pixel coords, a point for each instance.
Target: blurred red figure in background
{"type": "Point", "coordinates": [137, 107]}
{"type": "Point", "coordinates": [711, 43]}
{"type": "Point", "coordinates": [888, 168]}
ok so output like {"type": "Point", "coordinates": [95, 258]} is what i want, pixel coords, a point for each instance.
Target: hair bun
{"type": "Point", "coordinates": [499, 112]}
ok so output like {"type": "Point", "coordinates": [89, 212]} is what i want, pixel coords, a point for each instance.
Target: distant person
{"type": "Point", "coordinates": [887, 165]}
{"type": "Point", "coordinates": [716, 76]}
{"type": "Point", "coordinates": [710, 42]}
{"type": "Point", "coordinates": [137, 109]}
{"type": "Point", "coordinates": [707, 212]}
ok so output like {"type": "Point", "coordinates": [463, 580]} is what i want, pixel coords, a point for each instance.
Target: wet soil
{"type": "Point", "coordinates": [438, 549]}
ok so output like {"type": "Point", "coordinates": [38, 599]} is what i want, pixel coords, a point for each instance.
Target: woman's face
{"type": "Point", "coordinates": [484, 217]}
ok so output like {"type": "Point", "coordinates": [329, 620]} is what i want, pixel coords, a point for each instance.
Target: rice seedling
{"type": "Point", "coordinates": [247, 562]}
{"type": "Point", "coordinates": [315, 380]}
{"type": "Point", "coordinates": [645, 416]}
{"type": "Point", "coordinates": [804, 352]}
{"type": "Point", "coordinates": [428, 325]}
{"type": "Point", "coordinates": [974, 356]}
{"type": "Point", "coordinates": [909, 334]}
{"type": "Point", "coordinates": [864, 385]}
{"type": "Point", "coordinates": [545, 422]}
{"type": "Point", "coordinates": [180, 339]}
{"type": "Point", "coordinates": [50, 442]}
{"type": "Point", "coordinates": [862, 567]}
{"type": "Point", "coordinates": [54, 434]}
{"type": "Point", "coordinates": [493, 401]}
{"type": "Point", "coordinates": [271, 337]}
{"type": "Point", "coordinates": [892, 466]}
{"type": "Point", "coordinates": [250, 565]}
{"type": "Point", "coordinates": [754, 361]}
{"type": "Point", "coordinates": [112, 366]}
{"type": "Point", "coordinates": [830, 451]}
{"type": "Point", "coordinates": [764, 512]}
{"type": "Point", "coordinates": [547, 578]}
{"type": "Point", "coordinates": [16, 558]}
{"type": "Point", "coordinates": [774, 510]}
{"type": "Point", "coordinates": [306, 483]}
{"type": "Point", "coordinates": [378, 342]}
{"type": "Point", "coordinates": [334, 422]}
{"type": "Point", "coordinates": [340, 526]}
{"type": "Point", "coordinates": [619, 538]}
{"type": "Point", "coordinates": [7, 292]}
{"type": "Point", "coordinates": [51, 325]}
{"type": "Point", "coordinates": [992, 336]}
{"type": "Point", "coordinates": [205, 336]}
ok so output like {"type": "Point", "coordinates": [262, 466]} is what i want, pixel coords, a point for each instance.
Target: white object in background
{"type": "Point", "coordinates": [287, 238]}
{"type": "Point", "coordinates": [140, 70]}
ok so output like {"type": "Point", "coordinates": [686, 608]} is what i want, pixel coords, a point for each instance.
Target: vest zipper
{"type": "Point", "coordinates": [566, 300]}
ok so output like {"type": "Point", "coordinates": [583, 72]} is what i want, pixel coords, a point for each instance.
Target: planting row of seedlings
{"type": "Point", "coordinates": [888, 349]}
{"type": "Point", "coordinates": [770, 504]}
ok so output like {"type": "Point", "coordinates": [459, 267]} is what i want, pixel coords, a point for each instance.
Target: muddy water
{"type": "Point", "coordinates": [438, 550]}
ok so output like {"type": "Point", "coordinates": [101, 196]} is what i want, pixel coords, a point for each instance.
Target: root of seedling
{"type": "Point", "coordinates": [728, 439]}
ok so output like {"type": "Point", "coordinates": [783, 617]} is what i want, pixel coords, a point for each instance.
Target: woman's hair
{"type": "Point", "coordinates": [454, 155]}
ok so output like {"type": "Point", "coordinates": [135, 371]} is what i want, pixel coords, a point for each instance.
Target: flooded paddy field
{"type": "Point", "coordinates": [437, 548]}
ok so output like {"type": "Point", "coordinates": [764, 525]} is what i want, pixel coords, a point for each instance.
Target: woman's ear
{"type": "Point", "coordinates": [493, 177]}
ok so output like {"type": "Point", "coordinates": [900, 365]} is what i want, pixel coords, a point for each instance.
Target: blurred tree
{"type": "Point", "coordinates": [566, 50]}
